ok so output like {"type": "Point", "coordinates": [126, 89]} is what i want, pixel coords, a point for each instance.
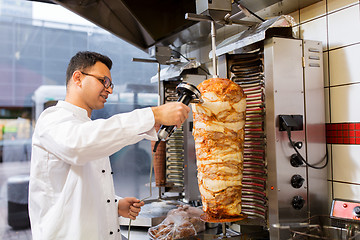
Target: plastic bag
{"type": "Point", "coordinates": [179, 223]}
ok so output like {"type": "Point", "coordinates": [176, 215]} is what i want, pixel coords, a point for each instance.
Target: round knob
{"type": "Point", "coordinates": [298, 202]}
{"type": "Point", "coordinates": [297, 181]}
{"type": "Point", "coordinates": [298, 145]}
{"type": "Point", "coordinates": [356, 211]}
{"type": "Point", "coordinates": [295, 160]}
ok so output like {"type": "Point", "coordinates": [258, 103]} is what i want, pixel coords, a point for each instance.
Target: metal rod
{"type": "Point", "coordinates": [197, 17]}
{"type": "Point", "coordinates": [213, 46]}
{"type": "Point", "coordinates": [159, 69]}
{"type": "Point", "coordinates": [224, 230]}
{"type": "Point", "coordinates": [144, 60]}
{"type": "Point", "coordinates": [150, 192]}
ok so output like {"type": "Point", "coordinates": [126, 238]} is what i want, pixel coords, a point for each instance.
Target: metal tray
{"type": "Point", "coordinates": [323, 227]}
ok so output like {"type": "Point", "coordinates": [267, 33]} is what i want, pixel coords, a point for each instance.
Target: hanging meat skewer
{"type": "Point", "coordinates": [219, 142]}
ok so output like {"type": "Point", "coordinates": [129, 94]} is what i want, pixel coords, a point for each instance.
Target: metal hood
{"type": "Point", "coordinates": [141, 23]}
{"type": "Point", "coordinates": [161, 22]}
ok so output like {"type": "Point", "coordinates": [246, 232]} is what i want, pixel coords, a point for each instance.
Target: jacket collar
{"type": "Point", "coordinates": [78, 111]}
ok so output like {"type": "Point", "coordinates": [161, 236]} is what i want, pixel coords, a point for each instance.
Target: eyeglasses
{"type": "Point", "coordinates": [105, 80]}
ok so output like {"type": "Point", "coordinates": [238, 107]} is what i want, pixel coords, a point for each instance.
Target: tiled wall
{"type": "Point", "coordinates": [337, 24]}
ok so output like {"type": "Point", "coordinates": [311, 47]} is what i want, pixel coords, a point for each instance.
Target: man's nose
{"type": "Point", "coordinates": [109, 90]}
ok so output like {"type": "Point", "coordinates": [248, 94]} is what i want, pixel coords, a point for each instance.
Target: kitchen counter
{"type": "Point", "coordinates": [140, 233]}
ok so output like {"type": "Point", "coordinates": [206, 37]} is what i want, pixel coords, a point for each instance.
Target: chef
{"type": "Point", "coordinates": [71, 192]}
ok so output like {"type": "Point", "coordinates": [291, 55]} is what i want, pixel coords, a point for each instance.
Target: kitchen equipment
{"type": "Point", "coordinates": [342, 224]}
{"type": "Point", "coordinates": [141, 23]}
{"type": "Point", "coordinates": [180, 177]}
{"type": "Point", "coordinates": [187, 93]}
{"type": "Point", "coordinates": [281, 76]}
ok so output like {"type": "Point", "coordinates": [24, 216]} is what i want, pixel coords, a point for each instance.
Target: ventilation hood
{"type": "Point", "coordinates": [162, 22]}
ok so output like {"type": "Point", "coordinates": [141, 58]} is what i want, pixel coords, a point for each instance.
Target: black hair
{"type": "Point", "coordinates": [82, 60]}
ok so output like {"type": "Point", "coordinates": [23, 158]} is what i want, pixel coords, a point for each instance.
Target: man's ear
{"type": "Point", "coordinates": [77, 78]}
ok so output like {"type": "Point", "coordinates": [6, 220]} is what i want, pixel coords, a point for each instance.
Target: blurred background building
{"type": "Point", "coordinates": [34, 53]}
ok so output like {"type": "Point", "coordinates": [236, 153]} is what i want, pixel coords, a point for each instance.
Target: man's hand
{"type": "Point", "coordinates": [172, 113]}
{"type": "Point", "coordinates": [129, 207]}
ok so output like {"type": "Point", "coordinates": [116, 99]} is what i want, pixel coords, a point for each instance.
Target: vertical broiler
{"type": "Point", "coordinates": [283, 81]}
{"type": "Point", "coordinates": [284, 179]}
{"type": "Point", "coordinates": [284, 175]}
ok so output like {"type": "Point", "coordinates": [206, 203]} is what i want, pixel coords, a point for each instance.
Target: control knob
{"type": "Point", "coordinates": [298, 202]}
{"type": "Point", "coordinates": [295, 160]}
{"type": "Point", "coordinates": [297, 181]}
{"type": "Point", "coordinates": [356, 211]}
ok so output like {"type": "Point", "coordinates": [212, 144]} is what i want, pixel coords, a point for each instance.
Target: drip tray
{"type": "Point", "coordinates": [325, 232]}
{"type": "Point", "coordinates": [323, 227]}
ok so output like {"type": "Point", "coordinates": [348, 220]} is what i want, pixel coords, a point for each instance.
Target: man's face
{"type": "Point", "coordinates": [94, 94]}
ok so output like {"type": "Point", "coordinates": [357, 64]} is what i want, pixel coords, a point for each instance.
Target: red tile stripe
{"type": "Point", "coordinates": [343, 133]}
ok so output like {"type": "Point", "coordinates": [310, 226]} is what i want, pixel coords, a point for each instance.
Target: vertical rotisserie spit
{"type": "Point", "coordinates": [219, 138]}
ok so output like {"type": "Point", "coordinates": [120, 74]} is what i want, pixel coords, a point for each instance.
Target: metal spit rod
{"type": "Point", "coordinates": [213, 46]}
{"type": "Point", "coordinates": [199, 17]}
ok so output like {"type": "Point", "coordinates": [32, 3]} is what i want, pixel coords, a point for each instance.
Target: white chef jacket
{"type": "Point", "coordinates": [71, 192]}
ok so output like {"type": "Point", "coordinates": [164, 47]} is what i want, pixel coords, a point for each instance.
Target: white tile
{"type": "Point", "coordinates": [344, 102]}
{"type": "Point", "coordinates": [315, 30]}
{"type": "Point", "coordinates": [326, 69]}
{"type": "Point", "coordinates": [313, 11]}
{"type": "Point", "coordinates": [346, 163]}
{"type": "Point", "coordinates": [344, 27]}
{"type": "Point", "coordinates": [347, 191]}
{"type": "Point", "coordinates": [327, 105]}
{"type": "Point", "coordinates": [338, 4]}
{"type": "Point", "coordinates": [344, 65]}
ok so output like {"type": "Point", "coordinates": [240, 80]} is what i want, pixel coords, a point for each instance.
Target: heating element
{"type": "Point", "coordinates": [247, 71]}
{"type": "Point", "coordinates": [174, 148]}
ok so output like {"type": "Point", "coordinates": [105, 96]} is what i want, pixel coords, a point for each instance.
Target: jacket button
{"type": "Point", "coordinates": [115, 200]}
{"type": "Point", "coordinates": [118, 230]}
{"type": "Point", "coordinates": [112, 172]}
{"type": "Point", "coordinates": [111, 232]}
{"type": "Point", "coordinates": [103, 171]}
{"type": "Point", "coordinates": [108, 200]}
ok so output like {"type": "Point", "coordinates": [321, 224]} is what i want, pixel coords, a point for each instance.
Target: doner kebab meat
{"type": "Point", "coordinates": [219, 142]}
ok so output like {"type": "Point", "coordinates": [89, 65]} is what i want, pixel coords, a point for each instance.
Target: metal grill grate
{"type": "Point", "coordinates": [247, 71]}
{"type": "Point", "coordinates": [174, 149]}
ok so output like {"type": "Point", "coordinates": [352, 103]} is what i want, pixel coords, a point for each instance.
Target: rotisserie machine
{"type": "Point", "coordinates": [283, 80]}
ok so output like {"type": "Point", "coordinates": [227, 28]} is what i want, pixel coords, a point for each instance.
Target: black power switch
{"type": "Point", "coordinates": [291, 122]}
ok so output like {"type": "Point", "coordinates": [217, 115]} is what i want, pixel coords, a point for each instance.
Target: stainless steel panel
{"type": "Point", "coordinates": [271, 8]}
{"type": "Point", "coordinates": [148, 23]}
{"type": "Point", "coordinates": [315, 127]}
{"type": "Point", "coordinates": [284, 94]}
{"type": "Point", "coordinates": [205, 5]}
